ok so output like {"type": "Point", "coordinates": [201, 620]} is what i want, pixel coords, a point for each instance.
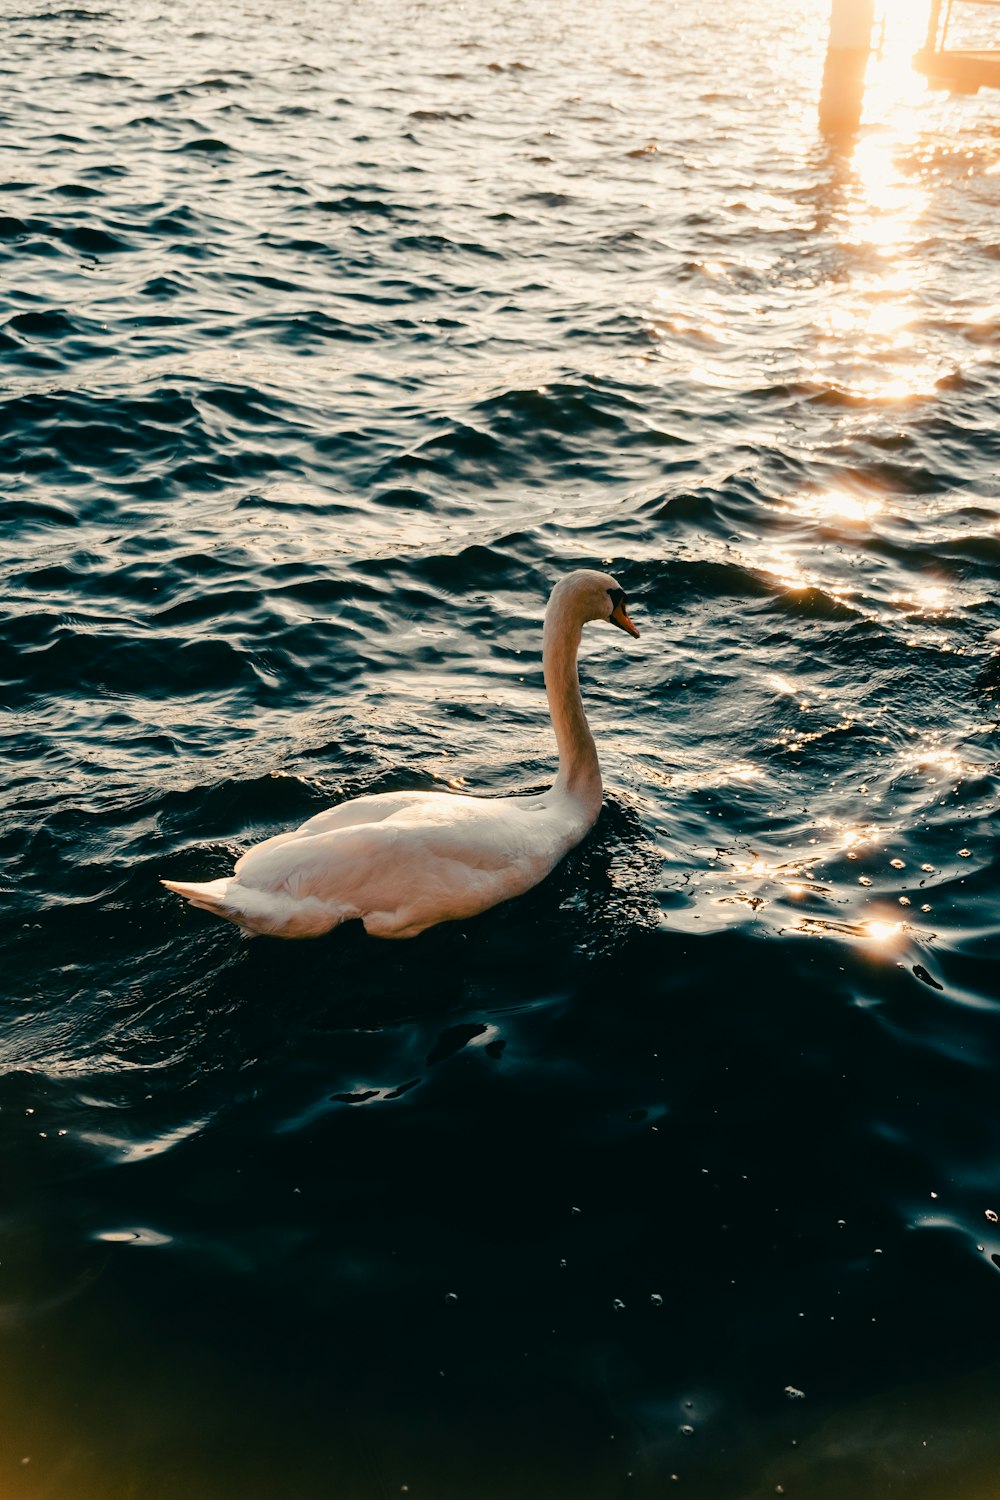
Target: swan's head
{"type": "Point", "coordinates": [594, 596]}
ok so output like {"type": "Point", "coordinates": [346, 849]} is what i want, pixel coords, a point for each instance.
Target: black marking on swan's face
{"type": "Point", "coordinates": [619, 614]}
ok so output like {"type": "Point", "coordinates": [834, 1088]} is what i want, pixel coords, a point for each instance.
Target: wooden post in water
{"type": "Point", "coordinates": [846, 62]}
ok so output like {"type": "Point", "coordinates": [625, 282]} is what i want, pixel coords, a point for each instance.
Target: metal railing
{"type": "Point", "coordinates": [962, 69]}
{"type": "Point", "coordinates": [934, 21]}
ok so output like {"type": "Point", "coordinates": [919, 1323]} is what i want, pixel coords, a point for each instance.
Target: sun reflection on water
{"type": "Point", "coordinates": [892, 81]}
{"type": "Point", "coordinates": [872, 342]}
{"type": "Point", "coordinates": [886, 207]}
{"type": "Point", "coordinates": [837, 505]}
{"type": "Point", "coordinates": [867, 211]}
{"type": "Point", "coordinates": [937, 761]}
{"type": "Point", "coordinates": [882, 932]}
{"type": "Point", "coordinates": [925, 599]}
{"type": "Point", "coordinates": [852, 837]}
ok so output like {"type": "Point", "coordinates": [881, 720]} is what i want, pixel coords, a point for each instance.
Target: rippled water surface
{"type": "Point", "coordinates": [331, 336]}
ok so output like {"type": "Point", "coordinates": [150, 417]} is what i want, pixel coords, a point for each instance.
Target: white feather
{"type": "Point", "coordinates": [403, 861]}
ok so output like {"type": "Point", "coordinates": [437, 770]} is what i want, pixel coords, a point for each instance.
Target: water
{"type": "Point", "coordinates": [331, 336]}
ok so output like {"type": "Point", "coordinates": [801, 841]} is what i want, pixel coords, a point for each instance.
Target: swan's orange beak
{"type": "Point", "coordinates": [621, 619]}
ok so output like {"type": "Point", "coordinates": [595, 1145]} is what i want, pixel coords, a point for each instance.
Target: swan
{"type": "Point", "coordinates": [404, 861]}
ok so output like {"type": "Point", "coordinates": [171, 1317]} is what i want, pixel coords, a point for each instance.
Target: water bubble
{"type": "Point", "coordinates": [451, 1296]}
{"type": "Point", "coordinates": [928, 869]}
{"type": "Point", "coordinates": [687, 1430]}
{"type": "Point", "coordinates": [991, 1215]}
{"type": "Point", "coordinates": [618, 1305]}
{"type": "Point", "coordinates": [863, 880]}
{"type": "Point", "coordinates": [656, 1299]}
{"type": "Point", "coordinates": [965, 853]}
{"type": "Point", "coordinates": [132, 1237]}
{"type": "Point", "coordinates": [897, 864]}
{"type": "Point", "coordinates": [793, 1393]}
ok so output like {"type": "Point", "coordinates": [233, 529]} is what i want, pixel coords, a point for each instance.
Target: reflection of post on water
{"type": "Point", "coordinates": [846, 63]}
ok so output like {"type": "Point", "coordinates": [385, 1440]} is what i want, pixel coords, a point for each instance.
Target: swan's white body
{"type": "Point", "coordinates": [404, 861]}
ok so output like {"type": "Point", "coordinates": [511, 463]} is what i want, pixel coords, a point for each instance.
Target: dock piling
{"type": "Point", "coordinates": [847, 55]}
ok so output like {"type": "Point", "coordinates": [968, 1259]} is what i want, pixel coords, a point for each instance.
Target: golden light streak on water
{"type": "Point", "coordinates": [883, 933]}
{"type": "Point", "coordinates": [868, 328]}
{"type": "Point", "coordinates": [719, 774]}
{"type": "Point", "coordinates": [926, 599]}
{"type": "Point", "coordinates": [937, 760]}
{"type": "Point", "coordinates": [900, 29]}
{"type": "Point", "coordinates": [837, 505]}
{"type": "Point", "coordinates": [854, 836]}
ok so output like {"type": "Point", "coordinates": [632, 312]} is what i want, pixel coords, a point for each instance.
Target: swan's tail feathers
{"type": "Point", "coordinates": [256, 911]}
{"type": "Point", "coordinates": [220, 897]}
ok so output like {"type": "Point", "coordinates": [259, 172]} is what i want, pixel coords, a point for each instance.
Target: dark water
{"type": "Point", "coordinates": [331, 336]}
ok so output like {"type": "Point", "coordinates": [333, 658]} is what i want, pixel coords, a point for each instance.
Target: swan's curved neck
{"type": "Point", "coordinates": [579, 771]}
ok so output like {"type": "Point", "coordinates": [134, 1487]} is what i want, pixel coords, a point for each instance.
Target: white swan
{"type": "Point", "coordinates": [403, 861]}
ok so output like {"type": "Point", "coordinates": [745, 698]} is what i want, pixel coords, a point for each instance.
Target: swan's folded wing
{"type": "Point", "coordinates": [331, 866]}
{"type": "Point", "coordinates": [445, 841]}
{"type": "Point", "coordinates": [373, 809]}
{"type": "Point", "coordinates": [357, 812]}
{"type": "Point", "coordinates": [446, 858]}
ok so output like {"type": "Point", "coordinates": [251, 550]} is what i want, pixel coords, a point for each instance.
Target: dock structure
{"type": "Point", "coordinates": [962, 71]}
{"type": "Point", "coordinates": [847, 56]}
